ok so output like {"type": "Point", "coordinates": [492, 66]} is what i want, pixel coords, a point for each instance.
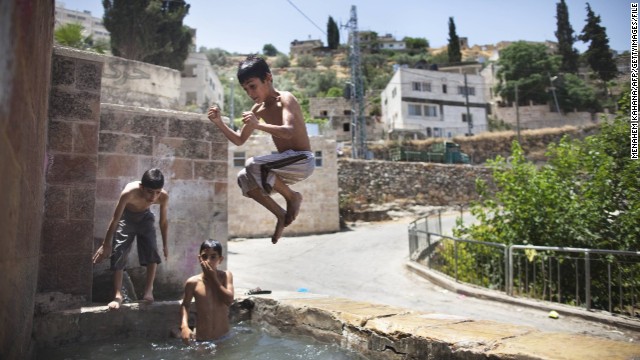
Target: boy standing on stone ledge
{"type": "Point", "coordinates": [133, 219]}
{"type": "Point", "coordinates": [283, 120]}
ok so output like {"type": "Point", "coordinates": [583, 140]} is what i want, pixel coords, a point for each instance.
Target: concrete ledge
{"type": "Point", "coordinates": [450, 284]}
{"type": "Point", "coordinates": [373, 330]}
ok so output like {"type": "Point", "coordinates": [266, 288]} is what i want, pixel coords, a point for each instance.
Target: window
{"type": "Point", "coordinates": [324, 113]}
{"type": "Point", "coordinates": [470, 89]}
{"type": "Point", "coordinates": [393, 93]}
{"type": "Point", "coordinates": [464, 117]}
{"type": "Point", "coordinates": [318, 156]}
{"type": "Point", "coordinates": [239, 159]}
{"type": "Point", "coordinates": [444, 88]}
{"type": "Point", "coordinates": [430, 110]}
{"type": "Point", "coordinates": [347, 112]}
{"type": "Point", "coordinates": [346, 127]}
{"type": "Point", "coordinates": [415, 110]}
{"type": "Point", "coordinates": [421, 86]}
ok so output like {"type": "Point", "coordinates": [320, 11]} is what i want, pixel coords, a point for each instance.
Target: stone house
{"type": "Point", "coordinates": [428, 103]}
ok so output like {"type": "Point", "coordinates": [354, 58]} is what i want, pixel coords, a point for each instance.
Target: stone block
{"type": "Point", "coordinates": [89, 75]}
{"type": "Point", "coordinates": [149, 125]}
{"type": "Point", "coordinates": [62, 71]}
{"type": "Point", "coordinates": [81, 106]}
{"type": "Point", "coordinates": [108, 189]}
{"type": "Point", "coordinates": [85, 139]}
{"type": "Point", "coordinates": [181, 169]}
{"type": "Point", "coordinates": [219, 152]}
{"type": "Point", "coordinates": [125, 144]}
{"type": "Point", "coordinates": [75, 273]}
{"type": "Point", "coordinates": [72, 169]}
{"type": "Point", "coordinates": [60, 136]}
{"type": "Point", "coordinates": [188, 129]}
{"type": "Point", "coordinates": [67, 237]}
{"type": "Point", "coordinates": [210, 170]}
{"type": "Point", "coordinates": [82, 203]}
{"type": "Point", "coordinates": [190, 149]}
{"type": "Point", "coordinates": [47, 272]}
{"type": "Point", "coordinates": [56, 202]}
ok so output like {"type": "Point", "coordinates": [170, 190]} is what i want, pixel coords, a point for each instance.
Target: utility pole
{"type": "Point", "coordinates": [553, 90]}
{"type": "Point", "coordinates": [358, 124]}
{"type": "Point", "coordinates": [466, 93]}
{"type": "Point", "coordinates": [518, 116]}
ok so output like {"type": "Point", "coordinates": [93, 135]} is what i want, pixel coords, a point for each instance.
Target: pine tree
{"type": "Point", "coordinates": [149, 30]}
{"type": "Point", "coordinates": [565, 37]}
{"type": "Point", "coordinates": [453, 50]}
{"type": "Point", "coordinates": [598, 55]}
{"type": "Point", "coordinates": [333, 35]}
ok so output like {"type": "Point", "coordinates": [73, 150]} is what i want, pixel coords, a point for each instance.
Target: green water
{"type": "Point", "coordinates": [246, 342]}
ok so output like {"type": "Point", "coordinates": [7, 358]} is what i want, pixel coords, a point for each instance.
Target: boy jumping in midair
{"type": "Point", "coordinates": [283, 119]}
{"type": "Point", "coordinates": [131, 220]}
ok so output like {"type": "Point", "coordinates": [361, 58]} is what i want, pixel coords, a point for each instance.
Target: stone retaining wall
{"type": "Point", "coordinates": [365, 183]}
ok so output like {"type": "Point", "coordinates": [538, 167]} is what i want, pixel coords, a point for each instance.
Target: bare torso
{"type": "Point", "coordinates": [212, 313]}
{"type": "Point", "coordinates": [272, 112]}
{"type": "Point", "coordinates": [136, 200]}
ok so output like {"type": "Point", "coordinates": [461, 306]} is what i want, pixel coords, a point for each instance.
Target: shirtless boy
{"type": "Point", "coordinates": [283, 120]}
{"type": "Point", "coordinates": [213, 293]}
{"type": "Point", "coordinates": [133, 219]}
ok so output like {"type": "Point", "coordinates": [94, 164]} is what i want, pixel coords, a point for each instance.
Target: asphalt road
{"type": "Point", "coordinates": [367, 263]}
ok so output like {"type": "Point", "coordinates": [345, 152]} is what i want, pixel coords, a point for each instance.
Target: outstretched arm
{"type": "Point", "coordinates": [186, 333]}
{"type": "Point", "coordinates": [164, 223]}
{"type": "Point", "coordinates": [104, 251]}
{"type": "Point", "coordinates": [237, 138]}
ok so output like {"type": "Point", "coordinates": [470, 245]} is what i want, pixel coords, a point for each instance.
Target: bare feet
{"type": "Point", "coordinates": [279, 229]}
{"type": "Point", "coordinates": [293, 208]}
{"type": "Point", "coordinates": [148, 298]}
{"type": "Point", "coordinates": [115, 304]}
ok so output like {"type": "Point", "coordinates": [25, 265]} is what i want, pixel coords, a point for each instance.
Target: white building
{"type": "Point", "coordinates": [200, 83]}
{"type": "Point", "coordinates": [91, 25]}
{"type": "Point", "coordinates": [434, 103]}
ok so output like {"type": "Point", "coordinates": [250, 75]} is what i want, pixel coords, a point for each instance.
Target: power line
{"type": "Point", "coordinates": [305, 15]}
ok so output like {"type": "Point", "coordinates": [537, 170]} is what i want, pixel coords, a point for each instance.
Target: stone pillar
{"type": "Point", "coordinates": [72, 155]}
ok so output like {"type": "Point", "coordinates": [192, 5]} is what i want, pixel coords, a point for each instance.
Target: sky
{"type": "Point", "coordinates": [246, 26]}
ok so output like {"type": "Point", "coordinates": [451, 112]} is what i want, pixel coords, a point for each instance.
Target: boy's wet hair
{"type": "Point", "coordinates": [211, 244]}
{"type": "Point", "coordinates": [153, 179]}
{"type": "Point", "coordinates": [253, 67]}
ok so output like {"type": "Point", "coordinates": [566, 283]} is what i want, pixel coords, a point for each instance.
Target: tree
{"type": "Point", "coordinates": [216, 56]}
{"type": "Point", "coordinates": [149, 30]}
{"type": "Point", "coordinates": [416, 45]}
{"type": "Point", "coordinates": [598, 55]}
{"type": "Point", "coordinates": [453, 49]}
{"type": "Point", "coordinates": [333, 35]}
{"type": "Point", "coordinates": [269, 50]}
{"type": "Point", "coordinates": [526, 66]}
{"type": "Point", "coordinates": [70, 35]}
{"type": "Point", "coordinates": [574, 94]}
{"type": "Point", "coordinates": [564, 34]}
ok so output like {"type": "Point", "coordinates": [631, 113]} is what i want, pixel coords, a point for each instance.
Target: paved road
{"type": "Point", "coordinates": [367, 263]}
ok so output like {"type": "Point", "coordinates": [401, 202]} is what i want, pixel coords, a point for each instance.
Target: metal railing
{"type": "Point", "coordinates": [590, 278]}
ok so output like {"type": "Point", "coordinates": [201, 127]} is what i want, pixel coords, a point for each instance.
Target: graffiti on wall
{"type": "Point", "coordinates": [121, 71]}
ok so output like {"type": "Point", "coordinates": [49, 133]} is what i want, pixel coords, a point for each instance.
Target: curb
{"type": "Point", "coordinates": [451, 284]}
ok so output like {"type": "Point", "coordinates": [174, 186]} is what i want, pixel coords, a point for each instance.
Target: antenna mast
{"type": "Point", "coordinates": [358, 122]}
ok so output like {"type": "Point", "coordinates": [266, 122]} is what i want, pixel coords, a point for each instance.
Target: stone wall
{"type": "Point", "coordinates": [135, 83]}
{"type": "Point", "coordinates": [26, 40]}
{"type": "Point", "coordinates": [319, 210]}
{"type": "Point", "coordinates": [192, 155]}
{"type": "Point", "coordinates": [74, 115]}
{"type": "Point", "coordinates": [540, 116]}
{"type": "Point", "coordinates": [364, 183]}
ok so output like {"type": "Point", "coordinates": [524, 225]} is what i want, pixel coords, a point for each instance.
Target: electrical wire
{"type": "Point", "coordinates": [305, 15]}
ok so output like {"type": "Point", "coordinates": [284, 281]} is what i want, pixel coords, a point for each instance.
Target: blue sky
{"type": "Point", "coordinates": [246, 26]}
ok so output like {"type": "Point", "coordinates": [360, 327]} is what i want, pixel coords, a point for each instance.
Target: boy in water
{"type": "Point", "coordinates": [213, 293]}
{"type": "Point", "coordinates": [133, 219]}
{"type": "Point", "coordinates": [283, 120]}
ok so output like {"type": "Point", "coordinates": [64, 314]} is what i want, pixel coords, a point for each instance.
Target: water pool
{"type": "Point", "coordinates": [247, 342]}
